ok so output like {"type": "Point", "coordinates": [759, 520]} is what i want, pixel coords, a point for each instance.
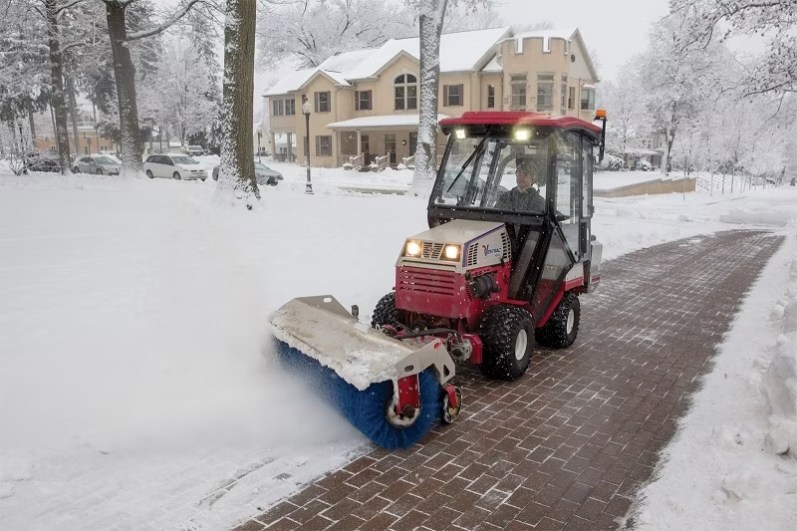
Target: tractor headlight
{"type": "Point", "coordinates": [412, 248]}
{"type": "Point", "coordinates": [451, 252]}
{"type": "Point", "coordinates": [522, 134]}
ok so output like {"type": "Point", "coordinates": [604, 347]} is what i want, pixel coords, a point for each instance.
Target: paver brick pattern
{"type": "Point", "coordinates": [568, 445]}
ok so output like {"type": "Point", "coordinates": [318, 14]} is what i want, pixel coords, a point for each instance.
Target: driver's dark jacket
{"type": "Point", "coordinates": [515, 200]}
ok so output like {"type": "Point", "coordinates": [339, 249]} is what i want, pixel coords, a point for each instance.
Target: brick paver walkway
{"type": "Point", "coordinates": [568, 445]}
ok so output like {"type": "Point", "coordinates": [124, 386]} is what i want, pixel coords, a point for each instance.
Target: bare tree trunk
{"type": "Point", "coordinates": [32, 129]}
{"type": "Point", "coordinates": [57, 94]}
{"type": "Point", "coordinates": [70, 91]}
{"type": "Point", "coordinates": [52, 119]}
{"type": "Point", "coordinates": [432, 13]}
{"type": "Point", "coordinates": [132, 150]}
{"type": "Point", "coordinates": [237, 159]}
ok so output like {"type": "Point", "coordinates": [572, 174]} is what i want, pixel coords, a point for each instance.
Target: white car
{"type": "Point", "coordinates": [174, 166]}
{"type": "Point", "coordinates": [195, 151]}
{"type": "Point", "coordinates": [97, 163]}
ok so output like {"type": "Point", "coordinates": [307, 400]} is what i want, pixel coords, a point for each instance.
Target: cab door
{"type": "Point", "coordinates": [569, 201]}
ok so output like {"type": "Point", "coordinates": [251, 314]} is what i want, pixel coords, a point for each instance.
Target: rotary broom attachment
{"type": "Point", "coordinates": [390, 391]}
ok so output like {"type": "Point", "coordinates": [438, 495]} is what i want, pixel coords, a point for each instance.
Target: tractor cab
{"type": "Point", "coordinates": [485, 168]}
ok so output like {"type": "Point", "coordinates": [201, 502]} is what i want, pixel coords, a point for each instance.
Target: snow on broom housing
{"type": "Point", "coordinates": [364, 104]}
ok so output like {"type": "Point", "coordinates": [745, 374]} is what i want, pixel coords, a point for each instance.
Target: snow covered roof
{"type": "Point", "coordinates": [345, 61]}
{"type": "Point", "coordinates": [459, 52]}
{"type": "Point", "coordinates": [493, 65]}
{"type": "Point", "coordinates": [291, 82]}
{"type": "Point", "coordinates": [388, 120]}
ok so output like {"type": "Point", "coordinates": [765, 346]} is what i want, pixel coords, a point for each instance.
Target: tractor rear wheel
{"type": "Point", "coordinates": [385, 312]}
{"type": "Point", "coordinates": [562, 327]}
{"type": "Point", "coordinates": [508, 335]}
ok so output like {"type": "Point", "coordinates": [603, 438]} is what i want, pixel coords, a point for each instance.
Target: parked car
{"type": "Point", "coordinates": [263, 174]}
{"type": "Point", "coordinates": [42, 163]}
{"type": "Point", "coordinates": [175, 166]}
{"type": "Point", "coordinates": [98, 164]}
{"type": "Point", "coordinates": [195, 151]}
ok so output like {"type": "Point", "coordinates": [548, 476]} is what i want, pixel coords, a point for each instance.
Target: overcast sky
{"type": "Point", "coordinates": [615, 29]}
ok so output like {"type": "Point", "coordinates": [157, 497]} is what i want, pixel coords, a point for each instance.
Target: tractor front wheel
{"type": "Point", "coordinates": [562, 327]}
{"type": "Point", "coordinates": [508, 335]}
{"type": "Point", "coordinates": [385, 312]}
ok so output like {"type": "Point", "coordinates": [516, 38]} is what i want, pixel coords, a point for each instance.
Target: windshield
{"type": "Point", "coordinates": [105, 160]}
{"type": "Point", "coordinates": [184, 160]}
{"type": "Point", "coordinates": [495, 173]}
{"type": "Point", "coordinates": [261, 167]}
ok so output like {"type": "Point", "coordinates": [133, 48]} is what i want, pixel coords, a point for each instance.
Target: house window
{"type": "Point", "coordinates": [571, 98]}
{"type": "Point", "coordinates": [587, 98]}
{"type": "Point", "coordinates": [406, 92]}
{"type": "Point", "coordinates": [563, 102]}
{"type": "Point", "coordinates": [322, 102]}
{"type": "Point", "coordinates": [518, 88]}
{"type": "Point", "coordinates": [362, 100]}
{"type": "Point", "coordinates": [490, 97]}
{"type": "Point", "coordinates": [544, 92]}
{"type": "Point", "coordinates": [453, 95]}
{"type": "Point", "coordinates": [323, 145]}
{"type": "Point", "coordinates": [277, 108]}
{"type": "Point", "coordinates": [290, 107]}
{"type": "Point", "coordinates": [413, 142]}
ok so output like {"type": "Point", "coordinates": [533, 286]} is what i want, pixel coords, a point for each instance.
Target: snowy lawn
{"type": "Point", "coordinates": [137, 382]}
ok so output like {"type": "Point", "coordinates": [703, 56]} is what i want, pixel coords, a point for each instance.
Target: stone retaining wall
{"type": "Point", "coordinates": [655, 186]}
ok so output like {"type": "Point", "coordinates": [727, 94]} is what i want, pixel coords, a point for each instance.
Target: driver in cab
{"type": "Point", "coordinates": [524, 197]}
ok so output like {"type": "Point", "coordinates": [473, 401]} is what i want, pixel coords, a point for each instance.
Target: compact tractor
{"type": "Point", "coordinates": [488, 279]}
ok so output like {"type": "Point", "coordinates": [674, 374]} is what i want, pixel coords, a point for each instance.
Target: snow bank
{"type": "Point", "coordinates": [779, 385]}
{"type": "Point", "coordinates": [726, 466]}
{"type": "Point", "coordinates": [776, 217]}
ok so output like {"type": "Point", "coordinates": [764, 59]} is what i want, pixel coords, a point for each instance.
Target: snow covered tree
{"type": "Point", "coordinates": [57, 97]}
{"type": "Point", "coordinates": [308, 32]}
{"type": "Point", "coordinates": [237, 170]}
{"type": "Point", "coordinates": [462, 17]}
{"type": "Point", "coordinates": [24, 65]}
{"type": "Point", "coordinates": [773, 20]}
{"type": "Point", "coordinates": [125, 75]}
{"type": "Point", "coordinates": [624, 107]}
{"type": "Point", "coordinates": [676, 73]}
{"type": "Point", "coordinates": [183, 87]}
{"type": "Point", "coordinates": [431, 14]}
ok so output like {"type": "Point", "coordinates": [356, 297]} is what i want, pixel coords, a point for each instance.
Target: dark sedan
{"type": "Point", "coordinates": [264, 175]}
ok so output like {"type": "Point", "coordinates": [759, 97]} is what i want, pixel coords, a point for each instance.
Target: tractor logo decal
{"type": "Point", "coordinates": [489, 251]}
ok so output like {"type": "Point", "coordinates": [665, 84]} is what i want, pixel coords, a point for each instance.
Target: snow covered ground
{"type": "Point", "coordinates": [138, 389]}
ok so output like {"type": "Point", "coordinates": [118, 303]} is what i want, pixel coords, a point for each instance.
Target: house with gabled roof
{"type": "Point", "coordinates": [365, 103]}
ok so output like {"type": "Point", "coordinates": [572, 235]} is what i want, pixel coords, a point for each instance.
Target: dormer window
{"type": "Point", "coordinates": [406, 92]}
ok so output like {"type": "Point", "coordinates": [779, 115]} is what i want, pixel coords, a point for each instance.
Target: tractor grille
{"type": "Point", "coordinates": [432, 251]}
{"type": "Point", "coordinates": [473, 254]}
{"type": "Point", "coordinates": [507, 246]}
{"type": "Point", "coordinates": [427, 281]}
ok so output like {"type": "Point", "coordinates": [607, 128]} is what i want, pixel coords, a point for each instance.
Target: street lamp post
{"type": "Point", "coordinates": [259, 134]}
{"type": "Point", "coordinates": [306, 108]}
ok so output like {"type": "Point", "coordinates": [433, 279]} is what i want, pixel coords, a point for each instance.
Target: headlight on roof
{"type": "Point", "coordinates": [412, 248]}
{"type": "Point", "coordinates": [451, 252]}
{"type": "Point", "coordinates": [522, 134]}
